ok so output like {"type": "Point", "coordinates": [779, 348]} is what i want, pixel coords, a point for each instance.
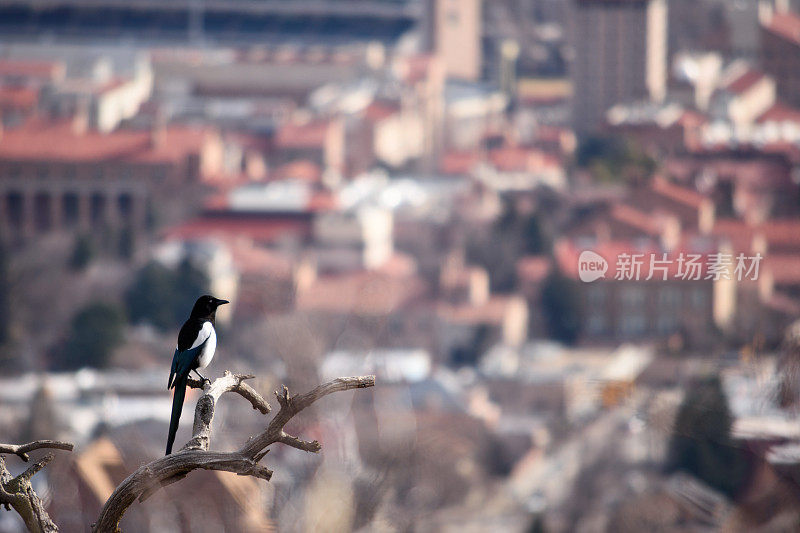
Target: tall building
{"type": "Point", "coordinates": [458, 32]}
{"type": "Point", "coordinates": [234, 22]}
{"type": "Point", "coordinates": [620, 55]}
{"type": "Point", "coordinates": [780, 52]}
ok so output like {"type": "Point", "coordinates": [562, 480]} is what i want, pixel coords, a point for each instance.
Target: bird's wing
{"type": "Point", "coordinates": [193, 334]}
{"type": "Point", "coordinates": [182, 363]}
{"type": "Point", "coordinates": [186, 353]}
{"type": "Point", "coordinates": [174, 368]}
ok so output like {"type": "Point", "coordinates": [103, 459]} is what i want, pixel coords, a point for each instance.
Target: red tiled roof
{"type": "Point", "coordinates": [783, 233]}
{"type": "Point", "coordinates": [589, 2]}
{"type": "Point", "coordinates": [551, 133]}
{"type": "Point", "coordinates": [745, 81]}
{"type": "Point", "coordinates": [510, 159]}
{"type": "Point", "coordinates": [780, 113]}
{"type": "Point", "coordinates": [258, 260]}
{"type": "Point", "coordinates": [739, 234]}
{"type": "Point", "coordinates": [458, 162]}
{"type": "Point", "coordinates": [301, 170]}
{"type": "Point", "coordinates": [785, 268]}
{"type": "Point", "coordinates": [29, 69]}
{"type": "Point", "coordinates": [416, 68]}
{"type": "Point", "coordinates": [308, 135]}
{"type": "Point", "coordinates": [367, 293]}
{"type": "Point", "coordinates": [780, 234]}
{"type": "Point", "coordinates": [40, 140]}
{"type": "Point", "coordinates": [399, 265]}
{"type": "Point", "coordinates": [533, 268]}
{"type": "Point", "coordinates": [112, 84]}
{"type": "Point", "coordinates": [18, 97]}
{"type": "Point", "coordinates": [786, 25]}
{"type": "Point", "coordinates": [679, 194]}
{"type": "Point", "coordinates": [322, 201]}
{"type": "Point", "coordinates": [248, 140]}
{"type": "Point", "coordinates": [637, 219]}
{"type": "Point", "coordinates": [377, 111]}
{"type": "Point", "coordinates": [567, 255]}
{"type": "Point", "coordinates": [263, 230]}
{"type": "Point", "coordinates": [492, 312]}
{"type": "Point", "coordinates": [691, 117]}
{"type": "Point", "coordinates": [783, 303]}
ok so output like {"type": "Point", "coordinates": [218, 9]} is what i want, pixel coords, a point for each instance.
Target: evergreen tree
{"type": "Point", "coordinates": [190, 283]}
{"type": "Point", "coordinates": [163, 297]}
{"type": "Point", "coordinates": [127, 243]}
{"type": "Point", "coordinates": [42, 421]}
{"type": "Point", "coordinates": [614, 160]}
{"type": "Point", "coordinates": [96, 331]}
{"type": "Point", "coordinates": [5, 296]}
{"type": "Point", "coordinates": [537, 241]}
{"type": "Point", "coordinates": [82, 253]}
{"type": "Point", "coordinates": [701, 442]}
{"type": "Point", "coordinates": [561, 308]}
{"type": "Point", "coordinates": [148, 299]}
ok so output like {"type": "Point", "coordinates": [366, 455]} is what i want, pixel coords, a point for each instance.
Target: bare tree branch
{"type": "Point", "coordinates": [204, 411]}
{"type": "Point", "coordinates": [17, 492]}
{"type": "Point", "coordinates": [22, 450]}
{"type": "Point", "coordinates": [195, 455]}
{"type": "Point", "coordinates": [35, 467]}
{"type": "Point", "coordinates": [243, 389]}
{"type": "Point", "coordinates": [300, 444]}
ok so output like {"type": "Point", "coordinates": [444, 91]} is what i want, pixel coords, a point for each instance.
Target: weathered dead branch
{"type": "Point", "coordinates": [195, 454]}
{"type": "Point", "coordinates": [17, 492]}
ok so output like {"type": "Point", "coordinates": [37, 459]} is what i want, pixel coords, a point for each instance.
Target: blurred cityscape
{"type": "Point", "coordinates": [491, 205]}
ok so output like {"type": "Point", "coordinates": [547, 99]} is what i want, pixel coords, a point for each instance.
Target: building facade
{"type": "Point", "coordinates": [780, 53]}
{"type": "Point", "coordinates": [58, 176]}
{"type": "Point", "coordinates": [620, 55]}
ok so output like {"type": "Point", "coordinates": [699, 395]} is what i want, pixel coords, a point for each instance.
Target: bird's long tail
{"type": "Point", "coordinates": [177, 407]}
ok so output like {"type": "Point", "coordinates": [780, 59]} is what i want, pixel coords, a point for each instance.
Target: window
{"type": "Point", "coordinates": [597, 296]}
{"type": "Point", "coordinates": [667, 323]}
{"type": "Point", "coordinates": [632, 324]}
{"type": "Point", "coordinates": [669, 298]}
{"type": "Point", "coordinates": [633, 297]}
{"type": "Point", "coordinates": [596, 324]}
{"type": "Point", "coordinates": [699, 297]}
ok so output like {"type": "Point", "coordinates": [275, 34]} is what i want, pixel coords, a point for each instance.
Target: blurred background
{"type": "Point", "coordinates": [403, 187]}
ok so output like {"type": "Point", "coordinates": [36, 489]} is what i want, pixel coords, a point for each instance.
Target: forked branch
{"type": "Point", "coordinates": [195, 454]}
{"type": "Point", "coordinates": [21, 450]}
{"type": "Point", "coordinates": [17, 492]}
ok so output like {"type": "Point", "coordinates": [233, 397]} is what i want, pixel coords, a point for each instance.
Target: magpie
{"type": "Point", "coordinates": [197, 342]}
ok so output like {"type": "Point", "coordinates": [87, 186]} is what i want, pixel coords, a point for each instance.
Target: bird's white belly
{"type": "Point", "coordinates": [207, 353]}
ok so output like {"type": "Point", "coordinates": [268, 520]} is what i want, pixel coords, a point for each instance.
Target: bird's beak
{"type": "Point", "coordinates": [222, 302]}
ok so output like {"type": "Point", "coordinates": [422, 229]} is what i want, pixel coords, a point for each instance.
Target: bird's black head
{"type": "Point", "coordinates": [206, 306]}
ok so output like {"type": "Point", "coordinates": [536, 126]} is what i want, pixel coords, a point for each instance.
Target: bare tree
{"type": "Point", "coordinates": [195, 454]}
{"type": "Point", "coordinates": [17, 493]}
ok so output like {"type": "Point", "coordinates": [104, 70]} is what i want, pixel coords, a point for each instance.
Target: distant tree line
{"type": "Point", "coordinates": [701, 442]}
{"type": "Point", "coordinates": [614, 160]}
{"type": "Point", "coordinates": [159, 296]}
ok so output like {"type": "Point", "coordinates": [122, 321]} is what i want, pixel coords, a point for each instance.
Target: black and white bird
{"type": "Point", "coordinates": [197, 342]}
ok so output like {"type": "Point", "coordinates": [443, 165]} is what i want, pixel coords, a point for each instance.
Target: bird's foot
{"type": "Point", "coordinates": [203, 378]}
